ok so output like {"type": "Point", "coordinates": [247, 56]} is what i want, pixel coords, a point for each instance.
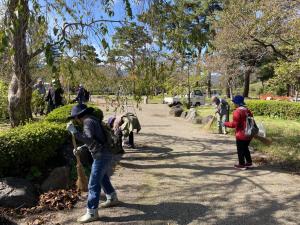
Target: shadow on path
{"type": "Point", "coordinates": [182, 213]}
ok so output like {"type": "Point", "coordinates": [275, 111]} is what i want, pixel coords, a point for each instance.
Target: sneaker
{"type": "Point", "coordinates": [89, 216]}
{"type": "Point", "coordinates": [240, 167]}
{"type": "Point", "coordinates": [111, 200]}
{"type": "Point", "coordinates": [248, 165]}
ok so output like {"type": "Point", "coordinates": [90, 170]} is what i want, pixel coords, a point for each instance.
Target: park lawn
{"type": "Point", "coordinates": [158, 99]}
{"type": "Point", "coordinates": [285, 135]}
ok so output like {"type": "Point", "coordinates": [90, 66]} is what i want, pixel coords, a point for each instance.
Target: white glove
{"type": "Point", "coordinates": [71, 128]}
{"type": "Point", "coordinates": [78, 149]}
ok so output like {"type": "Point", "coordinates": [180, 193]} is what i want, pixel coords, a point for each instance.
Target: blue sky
{"type": "Point", "coordinates": [97, 12]}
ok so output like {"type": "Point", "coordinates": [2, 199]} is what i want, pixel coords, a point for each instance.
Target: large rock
{"type": "Point", "coordinates": [6, 221]}
{"type": "Point", "coordinates": [197, 120]}
{"type": "Point", "coordinates": [17, 192]}
{"type": "Point", "coordinates": [183, 115]}
{"type": "Point", "coordinates": [176, 111]}
{"type": "Point", "coordinates": [192, 114]}
{"type": "Point", "coordinates": [59, 178]}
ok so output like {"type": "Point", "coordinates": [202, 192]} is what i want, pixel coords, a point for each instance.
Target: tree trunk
{"type": "Point", "coordinates": [288, 87]}
{"type": "Point", "coordinates": [20, 90]}
{"type": "Point", "coordinates": [228, 91]}
{"type": "Point", "coordinates": [209, 84]}
{"type": "Point", "coordinates": [247, 83]}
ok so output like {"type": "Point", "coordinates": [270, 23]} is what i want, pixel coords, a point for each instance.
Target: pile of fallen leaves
{"type": "Point", "coordinates": [58, 200]}
{"type": "Point", "coordinates": [50, 201]}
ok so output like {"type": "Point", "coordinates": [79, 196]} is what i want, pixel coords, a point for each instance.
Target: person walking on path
{"type": "Point", "coordinates": [222, 111]}
{"type": "Point", "coordinates": [240, 115]}
{"type": "Point", "coordinates": [94, 138]}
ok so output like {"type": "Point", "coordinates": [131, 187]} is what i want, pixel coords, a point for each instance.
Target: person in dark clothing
{"type": "Point", "coordinates": [94, 139]}
{"type": "Point", "coordinates": [81, 95]}
{"type": "Point", "coordinates": [242, 140]}
{"type": "Point", "coordinates": [54, 96]}
{"type": "Point", "coordinates": [115, 125]}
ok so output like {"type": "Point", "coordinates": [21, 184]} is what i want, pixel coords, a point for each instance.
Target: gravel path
{"type": "Point", "coordinates": [180, 175]}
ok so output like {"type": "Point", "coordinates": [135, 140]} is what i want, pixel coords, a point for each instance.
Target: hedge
{"type": "Point", "coordinates": [275, 109]}
{"type": "Point", "coordinates": [60, 115]}
{"type": "Point", "coordinates": [29, 145]}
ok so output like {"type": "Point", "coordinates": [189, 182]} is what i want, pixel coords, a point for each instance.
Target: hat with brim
{"type": "Point", "coordinates": [238, 100]}
{"type": "Point", "coordinates": [80, 110]}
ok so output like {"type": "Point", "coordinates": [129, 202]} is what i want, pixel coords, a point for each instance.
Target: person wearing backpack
{"type": "Point", "coordinates": [94, 138]}
{"type": "Point", "coordinates": [114, 124]}
{"type": "Point", "coordinates": [240, 115]}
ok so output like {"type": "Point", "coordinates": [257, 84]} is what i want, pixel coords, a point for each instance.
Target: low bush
{"type": "Point", "coordinates": [275, 109]}
{"type": "Point", "coordinates": [29, 145]}
{"type": "Point", "coordinates": [61, 114]}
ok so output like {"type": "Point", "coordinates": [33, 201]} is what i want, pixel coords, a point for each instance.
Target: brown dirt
{"type": "Point", "coordinates": [180, 175]}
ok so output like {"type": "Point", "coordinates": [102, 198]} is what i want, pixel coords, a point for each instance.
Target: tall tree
{"type": "Point", "coordinates": [129, 48]}
{"type": "Point", "coordinates": [22, 13]}
{"type": "Point", "coordinates": [252, 31]}
{"type": "Point", "coordinates": [129, 45]}
{"type": "Point", "coordinates": [182, 26]}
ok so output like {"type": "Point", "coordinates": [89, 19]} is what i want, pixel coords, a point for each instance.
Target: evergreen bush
{"type": "Point", "coordinates": [29, 145]}
{"type": "Point", "coordinates": [275, 109]}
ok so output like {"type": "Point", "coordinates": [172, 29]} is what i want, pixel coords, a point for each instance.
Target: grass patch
{"type": "Point", "coordinates": [205, 111]}
{"type": "Point", "coordinates": [158, 99]}
{"type": "Point", "coordinates": [285, 135]}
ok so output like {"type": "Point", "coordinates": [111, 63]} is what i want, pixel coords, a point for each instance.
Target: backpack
{"type": "Point", "coordinates": [112, 140]}
{"type": "Point", "coordinates": [251, 128]}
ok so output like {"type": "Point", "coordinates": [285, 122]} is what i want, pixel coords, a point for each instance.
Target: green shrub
{"type": "Point", "coordinates": [29, 145]}
{"type": "Point", "coordinates": [275, 109]}
{"type": "Point", "coordinates": [3, 101]}
{"type": "Point", "coordinates": [61, 114]}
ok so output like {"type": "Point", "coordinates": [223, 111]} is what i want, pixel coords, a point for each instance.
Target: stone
{"type": "Point", "coordinates": [205, 120]}
{"type": "Point", "coordinates": [192, 114]}
{"type": "Point", "coordinates": [6, 221]}
{"type": "Point", "coordinates": [17, 192]}
{"type": "Point", "coordinates": [59, 178]}
{"type": "Point", "coordinates": [197, 120]}
{"type": "Point", "coordinates": [183, 115]}
{"type": "Point", "coordinates": [176, 111]}
{"type": "Point", "coordinates": [145, 99]}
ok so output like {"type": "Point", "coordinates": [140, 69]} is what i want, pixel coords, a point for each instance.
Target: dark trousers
{"type": "Point", "coordinates": [131, 141]}
{"type": "Point", "coordinates": [243, 151]}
